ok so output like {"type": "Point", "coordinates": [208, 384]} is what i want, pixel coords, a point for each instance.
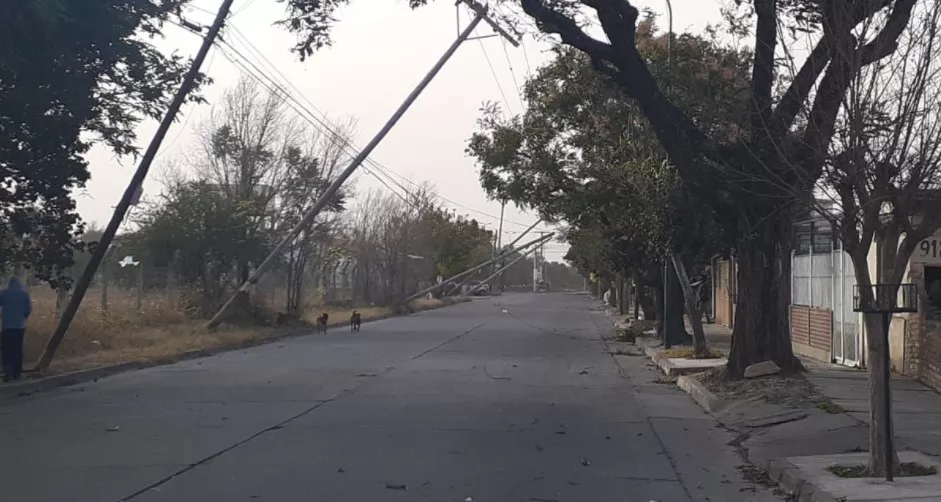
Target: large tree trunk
{"type": "Point", "coordinates": [877, 348]}
{"type": "Point", "coordinates": [671, 321]}
{"type": "Point", "coordinates": [700, 349]}
{"type": "Point", "coordinates": [761, 331]}
{"type": "Point", "coordinates": [622, 296]}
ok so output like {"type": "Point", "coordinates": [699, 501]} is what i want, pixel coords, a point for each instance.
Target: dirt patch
{"type": "Point", "coordinates": [665, 379]}
{"type": "Point", "coordinates": [792, 390]}
{"type": "Point", "coordinates": [906, 470]}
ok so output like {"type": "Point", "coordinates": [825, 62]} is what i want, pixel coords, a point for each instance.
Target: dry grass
{"type": "Point", "coordinates": [160, 331]}
{"type": "Point", "coordinates": [688, 353]}
{"type": "Point", "coordinates": [93, 331]}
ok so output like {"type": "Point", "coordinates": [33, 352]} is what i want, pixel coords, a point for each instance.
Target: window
{"type": "Point", "coordinates": [933, 289]}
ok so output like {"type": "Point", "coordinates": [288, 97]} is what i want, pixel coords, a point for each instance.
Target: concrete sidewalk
{"type": "Point", "coordinates": [916, 408]}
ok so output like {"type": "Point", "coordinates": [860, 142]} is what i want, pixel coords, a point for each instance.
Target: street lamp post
{"type": "Point", "coordinates": [666, 259]}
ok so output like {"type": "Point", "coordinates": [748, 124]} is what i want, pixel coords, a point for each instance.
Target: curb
{"type": "Point", "coordinates": [703, 396]}
{"type": "Point", "coordinates": [28, 387]}
{"type": "Point", "coordinates": [785, 474]}
{"type": "Point", "coordinates": [653, 354]}
{"type": "Point", "coordinates": [668, 367]}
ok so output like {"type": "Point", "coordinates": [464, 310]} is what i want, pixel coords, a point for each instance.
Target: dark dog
{"type": "Point", "coordinates": [355, 321]}
{"type": "Point", "coordinates": [322, 323]}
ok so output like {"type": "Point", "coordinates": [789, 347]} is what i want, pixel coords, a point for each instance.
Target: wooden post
{"type": "Point", "coordinates": [140, 286]}
{"type": "Point", "coordinates": [172, 293]}
{"type": "Point", "coordinates": [103, 279]}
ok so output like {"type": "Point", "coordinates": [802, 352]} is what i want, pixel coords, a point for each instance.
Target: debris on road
{"type": "Point", "coordinates": [396, 487]}
{"type": "Point", "coordinates": [113, 428]}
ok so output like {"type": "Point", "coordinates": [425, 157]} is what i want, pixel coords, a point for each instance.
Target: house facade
{"type": "Point", "coordinates": [823, 325]}
{"type": "Point", "coordinates": [915, 338]}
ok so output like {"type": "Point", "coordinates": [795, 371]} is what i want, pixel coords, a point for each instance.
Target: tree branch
{"type": "Point", "coordinates": [886, 42]}
{"type": "Point", "coordinates": [766, 37]}
{"type": "Point", "coordinates": [790, 104]}
{"type": "Point", "coordinates": [685, 143]}
{"type": "Point", "coordinates": [554, 22]}
{"type": "Point", "coordinates": [846, 60]}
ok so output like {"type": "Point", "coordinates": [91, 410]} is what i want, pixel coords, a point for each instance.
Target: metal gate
{"type": "Point", "coordinates": [823, 278]}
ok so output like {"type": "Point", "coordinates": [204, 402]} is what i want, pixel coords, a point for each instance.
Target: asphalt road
{"type": "Point", "coordinates": [510, 399]}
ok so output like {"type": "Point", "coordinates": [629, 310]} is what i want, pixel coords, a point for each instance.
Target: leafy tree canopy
{"type": "Point", "coordinates": [583, 153]}
{"type": "Point", "coordinates": [72, 73]}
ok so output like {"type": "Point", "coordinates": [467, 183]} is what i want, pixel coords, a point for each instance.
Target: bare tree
{"type": "Point", "coordinates": [883, 174]}
{"type": "Point", "coordinates": [243, 151]}
{"type": "Point", "coordinates": [255, 170]}
{"type": "Point", "coordinates": [392, 245]}
{"type": "Point", "coordinates": [308, 173]}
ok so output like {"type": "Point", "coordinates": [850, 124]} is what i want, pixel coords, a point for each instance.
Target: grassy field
{"type": "Point", "coordinates": [159, 331]}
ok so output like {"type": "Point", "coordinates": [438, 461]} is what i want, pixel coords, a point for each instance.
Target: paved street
{"type": "Point", "coordinates": [513, 398]}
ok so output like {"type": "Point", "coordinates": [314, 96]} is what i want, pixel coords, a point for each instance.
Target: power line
{"type": "Point", "coordinates": [516, 84]}
{"type": "Point", "coordinates": [186, 121]}
{"type": "Point", "coordinates": [320, 124]}
{"type": "Point", "coordinates": [524, 225]}
{"type": "Point", "coordinates": [493, 72]}
{"type": "Point", "coordinates": [246, 5]}
{"type": "Point", "coordinates": [529, 69]}
{"type": "Point", "coordinates": [252, 70]}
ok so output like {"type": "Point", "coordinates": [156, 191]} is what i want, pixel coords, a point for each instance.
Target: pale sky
{"type": "Point", "coordinates": [381, 50]}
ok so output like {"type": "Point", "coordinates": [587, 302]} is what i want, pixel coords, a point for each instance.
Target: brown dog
{"type": "Point", "coordinates": [322, 323]}
{"type": "Point", "coordinates": [355, 321]}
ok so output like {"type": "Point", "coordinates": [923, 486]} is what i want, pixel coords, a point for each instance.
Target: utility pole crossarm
{"type": "Point", "coordinates": [481, 10]}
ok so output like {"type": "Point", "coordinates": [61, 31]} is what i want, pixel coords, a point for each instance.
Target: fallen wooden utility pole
{"type": "Point", "coordinates": [471, 270]}
{"type": "Point", "coordinates": [457, 287]}
{"type": "Point", "coordinates": [520, 257]}
{"type": "Point", "coordinates": [132, 191]}
{"type": "Point", "coordinates": [480, 15]}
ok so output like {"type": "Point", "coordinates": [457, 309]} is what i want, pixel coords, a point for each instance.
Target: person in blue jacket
{"type": "Point", "coordinates": [15, 308]}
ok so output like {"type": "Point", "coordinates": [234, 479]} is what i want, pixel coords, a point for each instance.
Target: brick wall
{"type": "Point", "coordinates": [922, 347]}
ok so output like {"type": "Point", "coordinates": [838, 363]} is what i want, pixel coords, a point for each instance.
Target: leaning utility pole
{"type": "Point", "coordinates": [509, 246]}
{"type": "Point", "coordinates": [480, 12]}
{"type": "Point", "coordinates": [472, 269]}
{"type": "Point", "coordinates": [132, 191]}
{"type": "Point", "coordinates": [537, 269]}
{"type": "Point", "coordinates": [518, 258]}
{"type": "Point", "coordinates": [497, 243]}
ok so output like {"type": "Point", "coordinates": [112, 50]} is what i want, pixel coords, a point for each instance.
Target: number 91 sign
{"type": "Point", "coordinates": [929, 251]}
